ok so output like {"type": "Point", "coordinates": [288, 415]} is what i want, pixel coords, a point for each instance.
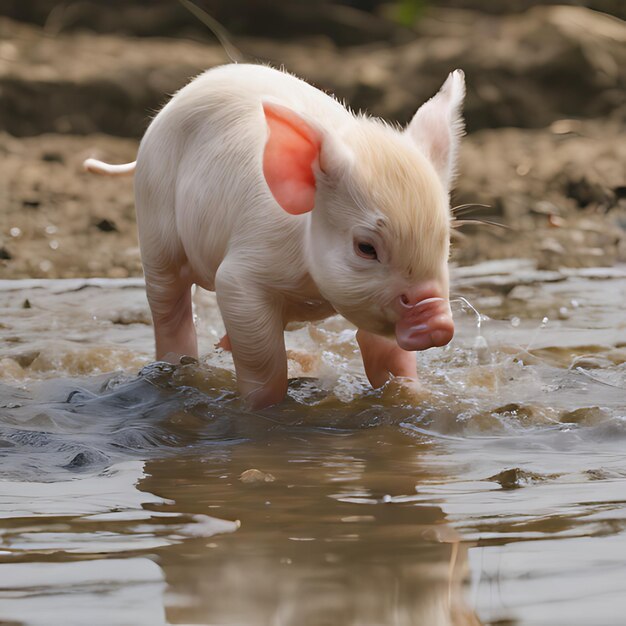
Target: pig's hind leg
{"type": "Point", "coordinates": [383, 358]}
{"type": "Point", "coordinates": [169, 297]}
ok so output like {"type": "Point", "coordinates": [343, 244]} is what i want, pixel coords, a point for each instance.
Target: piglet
{"type": "Point", "coordinates": [254, 184]}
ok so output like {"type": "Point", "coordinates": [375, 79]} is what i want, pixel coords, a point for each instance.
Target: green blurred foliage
{"type": "Point", "coordinates": [407, 12]}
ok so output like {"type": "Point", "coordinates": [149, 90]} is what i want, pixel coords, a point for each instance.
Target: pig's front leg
{"type": "Point", "coordinates": [383, 358]}
{"type": "Point", "coordinates": [255, 329]}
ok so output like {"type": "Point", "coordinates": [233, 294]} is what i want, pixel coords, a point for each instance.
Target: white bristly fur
{"type": "Point", "coordinates": [206, 215]}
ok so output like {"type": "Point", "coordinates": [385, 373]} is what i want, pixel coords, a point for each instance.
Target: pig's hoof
{"type": "Point", "coordinates": [224, 344]}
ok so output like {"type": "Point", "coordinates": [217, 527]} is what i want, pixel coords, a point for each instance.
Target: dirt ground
{"type": "Point", "coordinates": [552, 168]}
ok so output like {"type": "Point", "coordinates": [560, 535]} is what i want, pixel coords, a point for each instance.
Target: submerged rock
{"type": "Point", "coordinates": [256, 476]}
{"type": "Point", "coordinates": [516, 477]}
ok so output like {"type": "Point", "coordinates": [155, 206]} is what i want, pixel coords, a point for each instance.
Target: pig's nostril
{"type": "Point", "coordinates": [429, 301]}
{"type": "Point", "coordinates": [420, 305]}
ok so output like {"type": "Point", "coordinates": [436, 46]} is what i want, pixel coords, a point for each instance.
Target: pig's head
{"type": "Point", "coordinates": [379, 229]}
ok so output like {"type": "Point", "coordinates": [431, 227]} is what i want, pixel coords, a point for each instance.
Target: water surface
{"type": "Point", "coordinates": [141, 493]}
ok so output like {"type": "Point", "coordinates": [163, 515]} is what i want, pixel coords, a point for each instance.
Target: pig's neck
{"type": "Point", "coordinates": [303, 299]}
{"type": "Point", "coordinates": [306, 303]}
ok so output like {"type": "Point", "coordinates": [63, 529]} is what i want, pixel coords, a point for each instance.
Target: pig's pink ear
{"type": "Point", "coordinates": [291, 152]}
{"type": "Point", "coordinates": [437, 127]}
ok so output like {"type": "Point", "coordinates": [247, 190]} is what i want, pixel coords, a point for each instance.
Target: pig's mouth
{"type": "Point", "coordinates": [427, 324]}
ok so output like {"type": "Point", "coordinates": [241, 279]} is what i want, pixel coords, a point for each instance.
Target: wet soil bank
{"type": "Point", "coordinates": [546, 149]}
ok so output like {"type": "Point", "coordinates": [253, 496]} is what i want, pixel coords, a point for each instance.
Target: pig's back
{"type": "Point", "coordinates": [238, 89]}
{"type": "Point", "coordinates": [199, 167]}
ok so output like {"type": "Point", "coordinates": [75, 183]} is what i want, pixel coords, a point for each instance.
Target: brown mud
{"type": "Point", "coordinates": [546, 149]}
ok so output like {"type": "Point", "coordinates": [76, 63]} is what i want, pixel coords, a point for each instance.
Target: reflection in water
{"type": "Point", "coordinates": [306, 551]}
{"type": "Point", "coordinates": [494, 490]}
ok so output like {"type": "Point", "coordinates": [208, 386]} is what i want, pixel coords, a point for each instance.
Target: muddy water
{"type": "Point", "coordinates": [495, 493]}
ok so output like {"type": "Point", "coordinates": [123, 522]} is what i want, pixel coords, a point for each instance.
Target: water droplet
{"type": "Point", "coordinates": [563, 313]}
{"type": "Point", "coordinates": [544, 322]}
{"type": "Point", "coordinates": [54, 244]}
{"type": "Point", "coordinates": [515, 322]}
{"type": "Point", "coordinates": [575, 304]}
{"type": "Point", "coordinates": [386, 498]}
{"type": "Point", "coordinates": [51, 229]}
{"type": "Point", "coordinates": [466, 303]}
{"type": "Point", "coordinates": [482, 350]}
{"type": "Point", "coordinates": [45, 265]}
{"type": "Point", "coordinates": [15, 231]}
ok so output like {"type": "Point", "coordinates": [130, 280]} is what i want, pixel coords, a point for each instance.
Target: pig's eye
{"type": "Point", "coordinates": [366, 250]}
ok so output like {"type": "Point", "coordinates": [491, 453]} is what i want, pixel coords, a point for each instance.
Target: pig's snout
{"type": "Point", "coordinates": [425, 320]}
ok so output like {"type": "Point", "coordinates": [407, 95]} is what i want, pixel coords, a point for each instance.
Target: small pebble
{"type": "Point", "coordinates": [256, 476]}
{"type": "Point", "coordinates": [52, 157]}
{"type": "Point", "coordinates": [106, 226]}
{"type": "Point", "coordinates": [555, 221]}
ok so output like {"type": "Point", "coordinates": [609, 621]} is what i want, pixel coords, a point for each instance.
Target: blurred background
{"type": "Point", "coordinates": [545, 111]}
